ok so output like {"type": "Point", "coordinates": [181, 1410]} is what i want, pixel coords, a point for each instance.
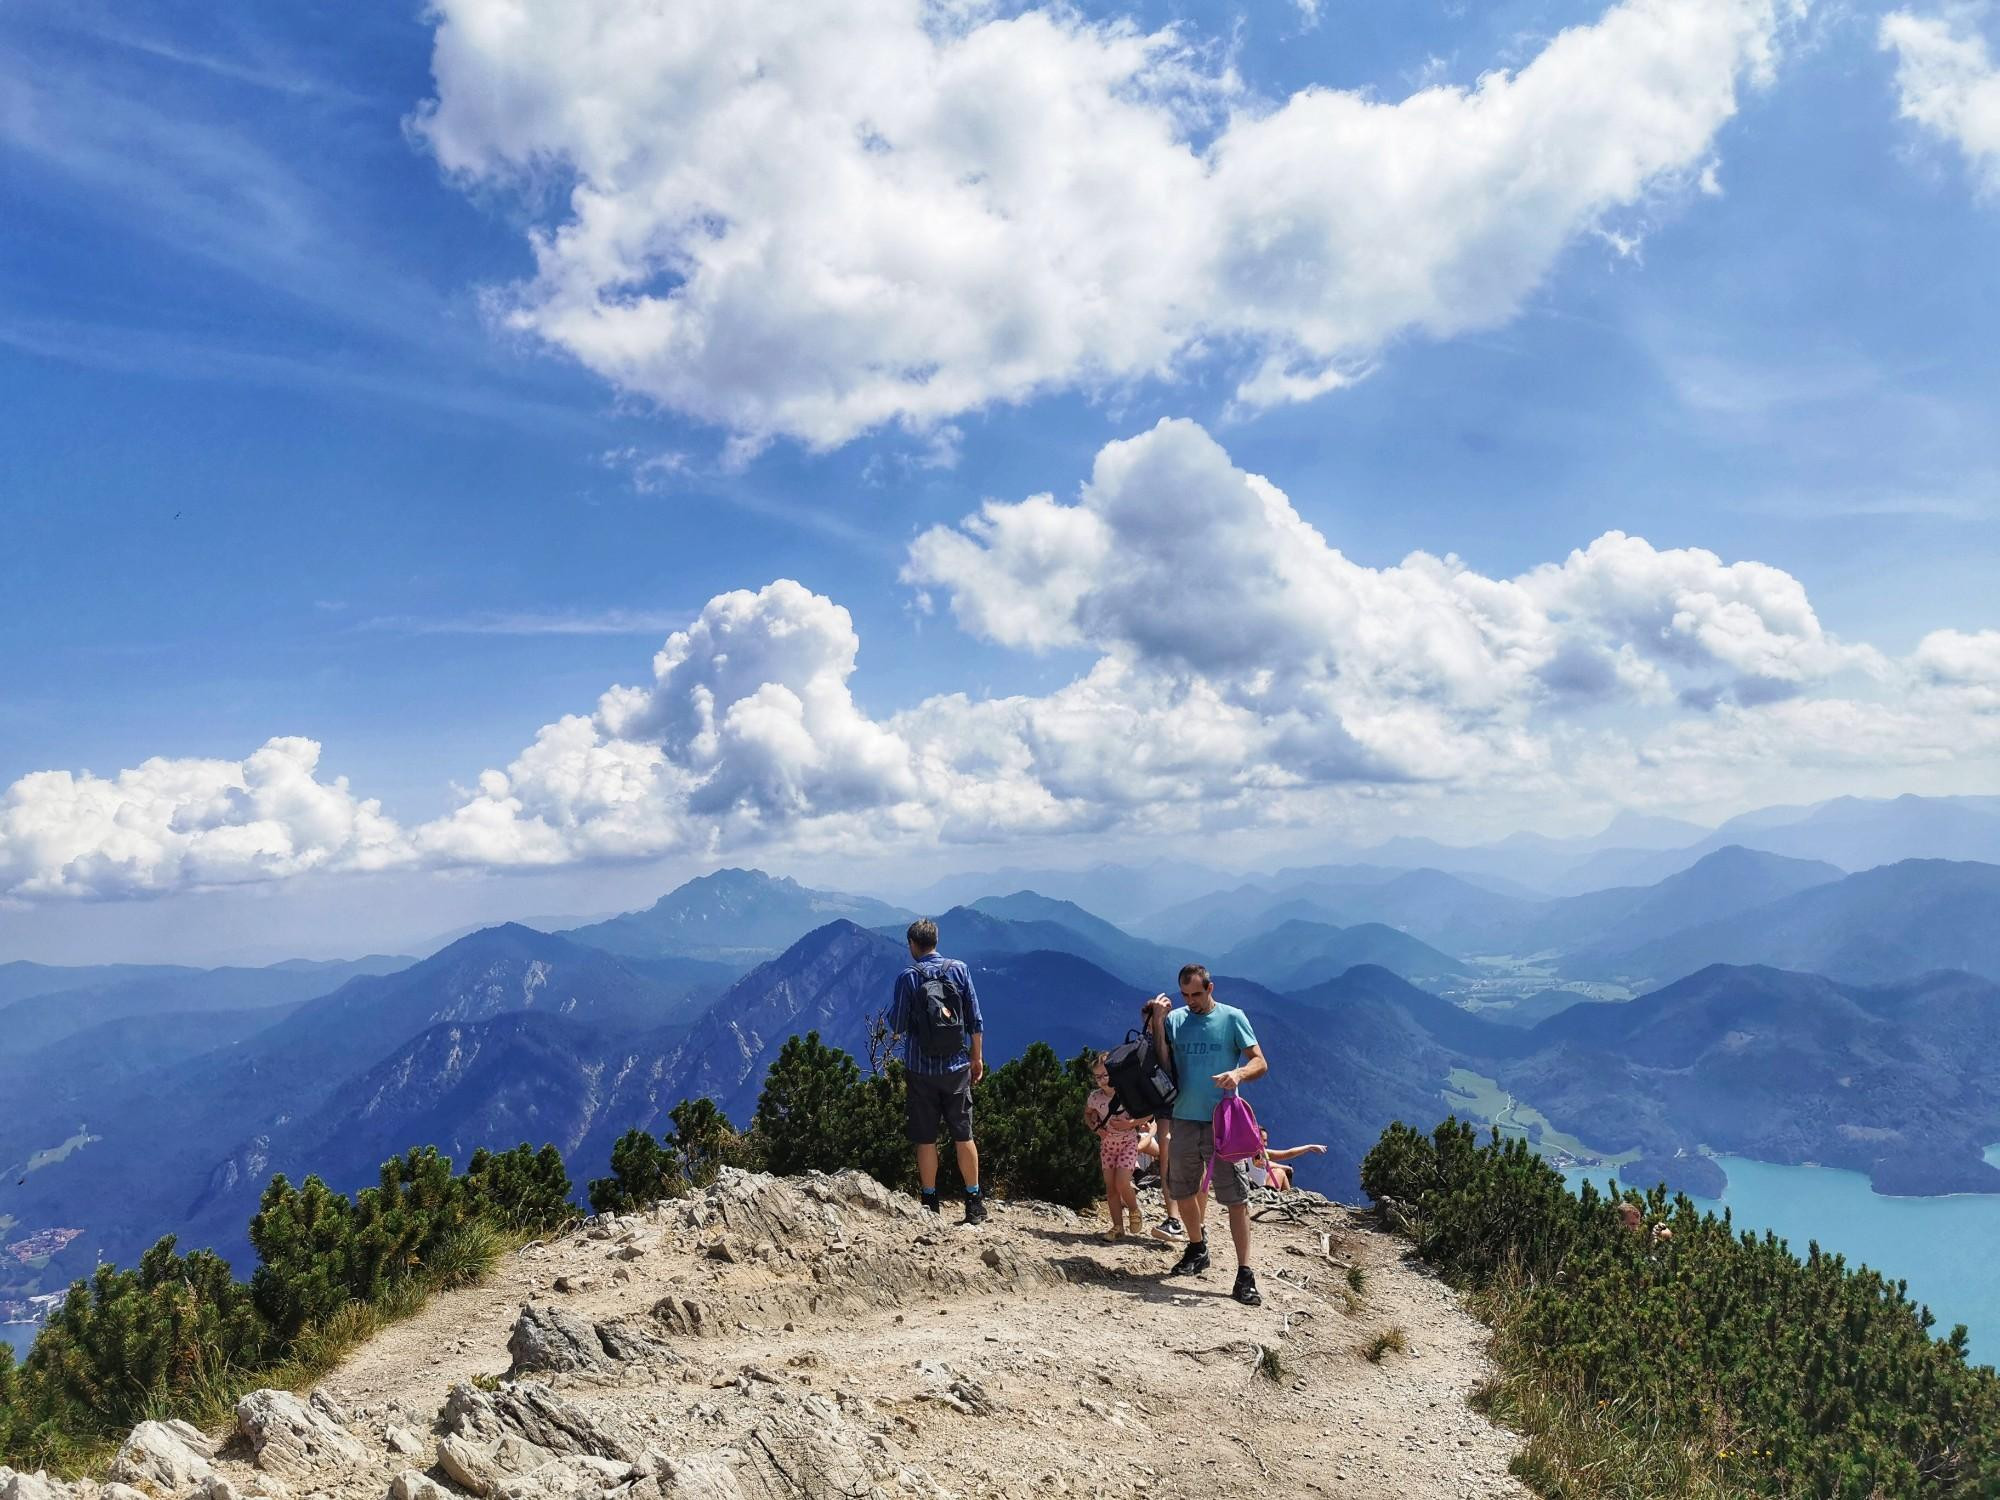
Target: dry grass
{"type": "Point", "coordinates": [1582, 1447]}
{"type": "Point", "coordinates": [1388, 1340]}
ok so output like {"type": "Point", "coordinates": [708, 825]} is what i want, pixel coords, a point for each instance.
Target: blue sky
{"type": "Point", "coordinates": [277, 465]}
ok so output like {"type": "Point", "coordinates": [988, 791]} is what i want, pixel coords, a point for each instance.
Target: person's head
{"type": "Point", "coordinates": [1630, 1215]}
{"type": "Point", "coordinates": [923, 937]}
{"type": "Point", "coordinates": [1197, 988]}
{"type": "Point", "coordinates": [1100, 1071]}
{"type": "Point", "coordinates": [1263, 1135]}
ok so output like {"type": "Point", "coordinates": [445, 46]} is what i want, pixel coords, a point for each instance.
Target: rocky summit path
{"type": "Point", "coordinates": [820, 1337]}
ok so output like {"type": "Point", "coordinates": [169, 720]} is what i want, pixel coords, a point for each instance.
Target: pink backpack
{"type": "Point", "coordinates": [1237, 1137]}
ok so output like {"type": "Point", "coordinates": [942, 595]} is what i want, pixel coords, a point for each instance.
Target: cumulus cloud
{"type": "Point", "coordinates": [1239, 671]}
{"type": "Point", "coordinates": [170, 823]}
{"type": "Point", "coordinates": [1947, 81]}
{"type": "Point", "coordinates": [816, 221]}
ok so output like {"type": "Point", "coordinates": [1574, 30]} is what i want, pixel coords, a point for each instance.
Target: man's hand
{"type": "Point", "coordinates": [1227, 1082]}
{"type": "Point", "coordinates": [978, 1069]}
{"type": "Point", "coordinates": [1157, 1007]}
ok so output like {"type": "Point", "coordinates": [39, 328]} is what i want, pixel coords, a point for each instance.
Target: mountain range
{"type": "Point", "coordinates": [733, 916]}
{"type": "Point", "coordinates": [142, 1100]}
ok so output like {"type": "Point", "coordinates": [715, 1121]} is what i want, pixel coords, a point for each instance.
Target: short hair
{"type": "Point", "coordinates": [923, 935]}
{"type": "Point", "coordinates": [1196, 971]}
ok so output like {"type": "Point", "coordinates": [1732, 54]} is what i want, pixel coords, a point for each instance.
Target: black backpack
{"type": "Point", "coordinates": [1140, 1077]}
{"type": "Point", "coordinates": [937, 1018]}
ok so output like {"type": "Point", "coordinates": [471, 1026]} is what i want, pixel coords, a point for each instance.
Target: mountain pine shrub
{"type": "Point", "coordinates": [1736, 1358]}
{"type": "Point", "coordinates": [178, 1335]}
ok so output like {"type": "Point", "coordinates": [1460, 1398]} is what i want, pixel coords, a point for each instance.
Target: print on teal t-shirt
{"type": "Point", "coordinates": [1204, 1046]}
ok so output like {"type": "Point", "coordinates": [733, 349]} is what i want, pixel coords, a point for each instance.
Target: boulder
{"type": "Point", "coordinates": [35, 1486]}
{"type": "Point", "coordinates": [546, 1338]}
{"type": "Point", "coordinates": [290, 1437]}
{"type": "Point", "coordinates": [549, 1339]}
{"type": "Point", "coordinates": [469, 1464]}
{"type": "Point", "coordinates": [413, 1485]}
{"type": "Point", "coordinates": [158, 1457]}
{"type": "Point", "coordinates": [403, 1441]}
{"type": "Point", "coordinates": [535, 1412]}
{"type": "Point", "coordinates": [116, 1491]}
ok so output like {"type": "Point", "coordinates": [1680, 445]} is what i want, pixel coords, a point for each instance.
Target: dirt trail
{"type": "Point", "coordinates": [1024, 1357]}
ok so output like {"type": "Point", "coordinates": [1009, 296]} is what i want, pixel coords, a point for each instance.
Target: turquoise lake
{"type": "Point", "coordinates": [19, 1335]}
{"type": "Point", "coordinates": [1947, 1249]}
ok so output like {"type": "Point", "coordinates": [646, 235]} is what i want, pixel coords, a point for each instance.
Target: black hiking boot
{"type": "Point", "coordinates": [1193, 1261]}
{"type": "Point", "coordinates": [928, 1202]}
{"type": "Point", "coordinates": [975, 1209]}
{"type": "Point", "coordinates": [1245, 1290]}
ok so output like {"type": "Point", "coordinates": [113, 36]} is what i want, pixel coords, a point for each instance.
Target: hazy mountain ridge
{"type": "Point", "coordinates": [732, 914]}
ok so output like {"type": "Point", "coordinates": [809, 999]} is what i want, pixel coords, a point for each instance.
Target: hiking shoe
{"type": "Point", "coordinates": [1193, 1261]}
{"type": "Point", "coordinates": [975, 1211]}
{"type": "Point", "coordinates": [928, 1204]}
{"type": "Point", "coordinates": [1245, 1290]}
{"type": "Point", "coordinates": [1169, 1228]}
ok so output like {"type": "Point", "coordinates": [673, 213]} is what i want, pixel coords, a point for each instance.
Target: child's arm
{"type": "Point", "coordinates": [1291, 1151]}
{"type": "Point", "coordinates": [1123, 1122]}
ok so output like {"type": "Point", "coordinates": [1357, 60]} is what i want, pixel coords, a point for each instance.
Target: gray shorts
{"type": "Point", "coordinates": [1189, 1153]}
{"type": "Point", "coordinates": [939, 1098]}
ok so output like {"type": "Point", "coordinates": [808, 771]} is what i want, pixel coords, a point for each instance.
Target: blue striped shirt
{"type": "Point", "coordinates": [902, 1014]}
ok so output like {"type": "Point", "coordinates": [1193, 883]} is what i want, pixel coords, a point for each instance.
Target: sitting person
{"type": "Point", "coordinates": [1266, 1170]}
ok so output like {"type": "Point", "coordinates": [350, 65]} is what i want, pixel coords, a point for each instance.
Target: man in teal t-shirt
{"type": "Point", "coordinates": [1213, 1052]}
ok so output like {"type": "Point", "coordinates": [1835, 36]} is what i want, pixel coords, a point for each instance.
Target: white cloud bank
{"type": "Point", "coordinates": [1241, 671]}
{"type": "Point", "coordinates": [1948, 82]}
{"type": "Point", "coordinates": [812, 221]}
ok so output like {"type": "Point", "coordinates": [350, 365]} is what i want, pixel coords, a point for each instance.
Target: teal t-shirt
{"type": "Point", "coordinates": [1204, 1046]}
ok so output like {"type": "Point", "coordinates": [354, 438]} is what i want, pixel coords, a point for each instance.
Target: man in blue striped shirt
{"type": "Point", "coordinates": [940, 1088]}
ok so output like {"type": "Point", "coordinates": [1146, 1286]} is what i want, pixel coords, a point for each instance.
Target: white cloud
{"type": "Point", "coordinates": [818, 221]}
{"type": "Point", "coordinates": [171, 823]}
{"type": "Point", "coordinates": [1947, 81]}
{"type": "Point", "coordinates": [1242, 672]}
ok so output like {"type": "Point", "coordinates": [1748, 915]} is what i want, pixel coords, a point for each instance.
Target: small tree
{"type": "Point", "coordinates": [806, 1113]}
{"type": "Point", "coordinates": [305, 1242]}
{"type": "Point", "coordinates": [702, 1142]}
{"type": "Point", "coordinates": [641, 1173]}
{"type": "Point", "coordinates": [522, 1189]}
{"type": "Point", "coordinates": [1032, 1139]}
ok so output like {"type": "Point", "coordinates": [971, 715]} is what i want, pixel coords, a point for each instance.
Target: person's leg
{"type": "Point", "coordinates": [956, 1100]}
{"type": "Point", "coordinates": [921, 1101]}
{"type": "Point", "coordinates": [1121, 1194]}
{"type": "Point", "coordinates": [1186, 1161]}
{"type": "Point", "coordinates": [1239, 1231]}
{"type": "Point", "coordinates": [1232, 1191]}
{"type": "Point", "coordinates": [1113, 1203]}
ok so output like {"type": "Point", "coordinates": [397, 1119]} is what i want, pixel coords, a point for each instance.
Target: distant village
{"type": "Point", "coordinates": [41, 1244]}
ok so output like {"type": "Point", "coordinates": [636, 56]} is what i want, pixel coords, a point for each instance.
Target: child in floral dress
{"type": "Point", "coordinates": [1117, 1153]}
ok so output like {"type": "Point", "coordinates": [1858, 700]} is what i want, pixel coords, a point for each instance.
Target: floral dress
{"type": "Point", "coordinates": [1115, 1148]}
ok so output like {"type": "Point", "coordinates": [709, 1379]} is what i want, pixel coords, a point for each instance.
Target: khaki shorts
{"type": "Point", "coordinates": [1189, 1153]}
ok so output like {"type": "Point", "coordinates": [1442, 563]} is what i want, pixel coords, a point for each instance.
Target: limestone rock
{"type": "Point", "coordinates": [290, 1437]}
{"type": "Point", "coordinates": [413, 1485]}
{"type": "Point", "coordinates": [35, 1486]}
{"type": "Point", "coordinates": [402, 1440]}
{"type": "Point", "coordinates": [469, 1465]}
{"type": "Point", "coordinates": [546, 1338]}
{"type": "Point", "coordinates": [117, 1491]}
{"type": "Point", "coordinates": [535, 1412]}
{"type": "Point", "coordinates": [157, 1457]}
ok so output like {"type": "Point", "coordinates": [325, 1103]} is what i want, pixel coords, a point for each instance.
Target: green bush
{"type": "Point", "coordinates": [178, 1335]}
{"type": "Point", "coordinates": [1791, 1377]}
{"type": "Point", "coordinates": [641, 1173]}
{"type": "Point", "coordinates": [1032, 1139]}
{"type": "Point", "coordinates": [522, 1189]}
{"type": "Point", "coordinates": [646, 1169]}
